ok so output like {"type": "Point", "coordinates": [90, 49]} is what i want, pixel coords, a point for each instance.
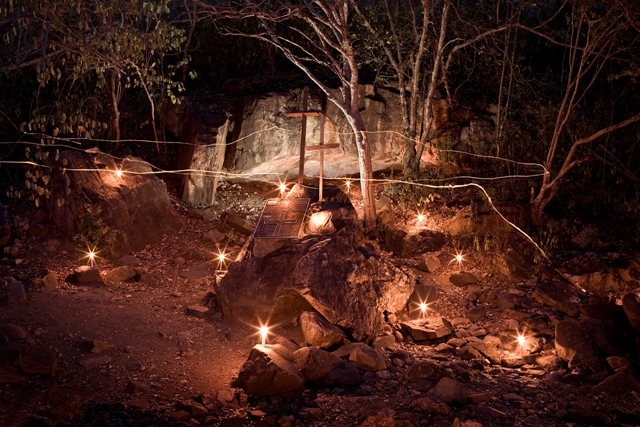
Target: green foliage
{"type": "Point", "coordinates": [100, 49]}
{"type": "Point", "coordinates": [93, 233]}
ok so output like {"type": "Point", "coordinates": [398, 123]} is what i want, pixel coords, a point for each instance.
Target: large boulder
{"type": "Point", "coordinates": [134, 208]}
{"type": "Point", "coordinates": [327, 273]}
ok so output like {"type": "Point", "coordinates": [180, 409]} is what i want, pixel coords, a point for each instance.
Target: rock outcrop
{"type": "Point", "coordinates": [331, 274]}
{"type": "Point", "coordinates": [134, 207]}
{"type": "Point", "coordinates": [203, 129]}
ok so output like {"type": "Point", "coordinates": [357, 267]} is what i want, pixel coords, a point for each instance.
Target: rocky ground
{"type": "Point", "coordinates": [150, 345]}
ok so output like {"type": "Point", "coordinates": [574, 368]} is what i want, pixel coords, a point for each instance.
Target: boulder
{"type": "Point", "coordinates": [384, 418]}
{"type": "Point", "coordinates": [316, 363]}
{"type": "Point", "coordinates": [620, 365]}
{"type": "Point", "coordinates": [575, 345]}
{"type": "Point", "coordinates": [349, 375]}
{"type": "Point", "coordinates": [599, 281]}
{"type": "Point", "coordinates": [562, 296]}
{"type": "Point", "coordinates": [50, 280]}
{"type": "Point", "coordinates": [15, 292]}
{"type": "Point", "coordinates": [269, 370]}
{"type": "Point", "coordinates": [463, 279]}
{"type": "Point", "coordinates": [426, 370]}
{"type": "Point", "coordinates": [86, 275]}
{"type": "Point", "coordinates": [429, 263]}
{"type": "Point", "coordinates": [38, 359]}
{"type": "Point", "coordinates": [320, 333]}
{"type": "Point", "coordinates": [461, 223]}
{"type": "Point", "coordinates": [394, 240]}
{"type": "Point", "coordinates": [420, 331]}
{"type": "Point", "coordinates": [412, 244]}
{"type": "Point", "coordinates": [512, 265]}
{"type": "Point", "coordinates": [618, 383]}
{"type": "Point", "coordinates": [135, 207]}
{"type": "Point", "coordinates": [449, 391]}
{"type": "Point", "coordinates": [5, 226]}
{"type": "Point", "coordinates": [585, 237]}
{"type": "Point", "coordinates": [213, 236]}
{"type": "Point", "coordinates": [386, 341]}
{"type": "Point", "coordinates": [127, 261]}
{"type": "Point", "coordinates": [487, 350]}
{"type": "Point", "coordinates": [368, 359]}
{"type": "Point", "coordinates": [238, 224]}
{"type": "Point", "coordinates": [432, 405]}
{"type": "Point", "coordinates": [476, 313]}
{"type": "Point", "coordinates": [14, 333]}
{"type": "Point", "coordinates": [352, 294]}
{"type": "Point", "coordinates": [121, 274]}
{"type": "Point", "coordinates": [631, 307]}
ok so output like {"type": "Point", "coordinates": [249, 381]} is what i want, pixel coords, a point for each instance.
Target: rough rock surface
{"type": "Point", "coordinates": [560, 295]}
{"type": "Point", "coordinates": [135, 207]}
{"type": "Point", "coordinates": [353, 293]}
{"type": "Point", "coordinates": [86, 275]}
{"type": "Point", "coordinates": [316, 363]}
{"type": "Point", "coordinates": [269, 370]}
{"type": "Point", "coordinates": [320, 333]}
{"type": "Point", "coordinates": [204, 129]}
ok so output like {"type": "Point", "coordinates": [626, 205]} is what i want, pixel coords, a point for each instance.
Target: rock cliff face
{"type": "Point", "coordinates": [135, 206]}
{"type": "Point", "coordinates": [262, 142]}
{"type": "Point", "coordinates": [203, 129]}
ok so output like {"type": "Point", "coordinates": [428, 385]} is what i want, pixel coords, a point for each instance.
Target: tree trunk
{"type": "Point", "coordinates": [366, 170]}
{"type": "Point", "coordinates": [113, 90]}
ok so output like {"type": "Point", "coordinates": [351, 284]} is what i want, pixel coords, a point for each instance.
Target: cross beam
{"type": "Point", "coordinates": [304, 113]}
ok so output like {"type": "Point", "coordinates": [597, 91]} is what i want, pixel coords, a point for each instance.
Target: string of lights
{"type": "Point", "coordinates": [119, 172]}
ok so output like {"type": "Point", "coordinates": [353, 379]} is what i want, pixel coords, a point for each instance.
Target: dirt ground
{"type": "Point", "coordinates": [149, 354]}
{"type": "Point", "coordinates": [149, 336]}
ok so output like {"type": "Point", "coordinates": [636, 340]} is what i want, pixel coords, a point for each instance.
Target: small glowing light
{"type": "Point", "coordinates": [348, 184]}
{"type": "Point", "coordinates": [522, 344]}
{"type": "Point", "coordinates": [264, 331]}
{"type": "Point", "coordinates": [459, 258]}
{"type": "Point", "coordinates": [118, 173]}
{"type": "Point", "coordinates": [420, 217]}
{"type": "Point", "coordinates": [283, 188]}
{"type": "Point", "coordinates": [318, 219]}
{"type": "Point", "coordinates": [91, 256]}
{"type": "Point", "coordinates": [423, 309]}
{"type": "Point", "coordinates": [222, 258]}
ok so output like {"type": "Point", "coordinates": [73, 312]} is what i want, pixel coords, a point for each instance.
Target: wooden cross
{"type": "Point", "coordinates": [304, 113]}
{"type": "Point", "coordinates": [280, 222]}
